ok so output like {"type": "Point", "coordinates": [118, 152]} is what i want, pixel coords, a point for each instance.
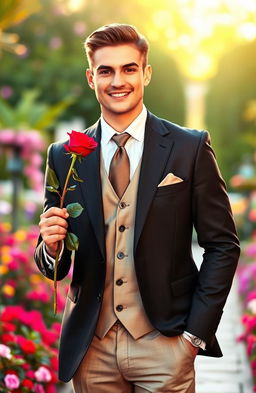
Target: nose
{"type": "Point", "coordinates": [117, 80]}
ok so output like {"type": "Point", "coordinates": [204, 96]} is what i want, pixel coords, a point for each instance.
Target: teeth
{"type": "Point", "coordinates": [118, 94]}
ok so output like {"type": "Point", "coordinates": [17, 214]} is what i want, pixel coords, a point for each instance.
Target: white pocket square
{"type": "Point", "coordinates": [170, 179]}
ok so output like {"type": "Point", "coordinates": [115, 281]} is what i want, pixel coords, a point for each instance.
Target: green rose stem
{"type": "Point", "coordinates": [74, 157]}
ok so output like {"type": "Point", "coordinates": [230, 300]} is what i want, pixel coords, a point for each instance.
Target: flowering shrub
{"type": "Point", "coordinates": [28, 352]}
{"type": "Point", "coordinates": [33, 291]}
{"type": "Point", "coordinates": [30, 144]}
{"type": "Point", "coordinates": [28, 337]}
{"type": "Point", "coordinates": [244, 207]}
{"type": "Point", "coordinates": [247, 289]}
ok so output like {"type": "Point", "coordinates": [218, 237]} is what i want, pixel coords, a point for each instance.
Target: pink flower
{"type": "Point", "coordinates": [30, 374]}
{"type": "Point", "coordinates": [251, 342]}
{"type": "Point", "coordinates": [79, 28]}
{"type": "Point", "coordinates": [36, 160]}
{"type": "Point", "coordinates": [39, 388]}
{"type": "Point", "coordinates": [11, 381]}
{"type": "Point", "coordinates": [252, 215]}
{"type": "Point", "coordinates": [7, 136]}
{"type": "Point", "coordinates": [251, 250]}
{"type": "Point", "coordinates": [13, 265]}
{"type": "Point", "coordinates": [43, 374]}
{"type": "Point", "coordinates": [6, 92]}
{"type": "Point", "coordinates": [51, 388]}
{"type": "Point", "coordinates": [5, 351]}
{"type": "Point", "coordinates": [49, 337]}
{"type": "Point", "coordinates": [55, 43]}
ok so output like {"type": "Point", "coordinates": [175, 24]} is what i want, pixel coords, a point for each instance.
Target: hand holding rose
{"type": "Point", "coordinates": [53, 228]}
{"type": "Point", "coordinates": [53, 224]}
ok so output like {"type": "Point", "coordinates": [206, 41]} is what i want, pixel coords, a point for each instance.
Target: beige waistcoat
{"type": "Point", "coordinates": [121, 298]}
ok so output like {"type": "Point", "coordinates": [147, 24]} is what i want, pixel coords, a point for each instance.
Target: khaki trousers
{"type": "Point", "coordinates": [153, 363]}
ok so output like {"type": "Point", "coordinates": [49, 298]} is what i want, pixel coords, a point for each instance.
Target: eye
{"type": "Point", "coordinates": [104, 72]}
{"type": "Point", "coordinates": [130, 70]}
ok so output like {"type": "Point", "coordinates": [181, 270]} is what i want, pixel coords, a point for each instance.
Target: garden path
{"type": "Point", "coordinates": [231, 373]}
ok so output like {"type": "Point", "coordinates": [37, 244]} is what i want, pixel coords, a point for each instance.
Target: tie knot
{"type": "Point", "coordinates": [121, 139]}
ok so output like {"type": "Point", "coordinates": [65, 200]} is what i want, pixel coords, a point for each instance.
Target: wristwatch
{"type": "Point", "coordinates": [196, 341]}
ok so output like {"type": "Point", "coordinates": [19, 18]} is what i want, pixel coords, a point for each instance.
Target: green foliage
{"type": "Point", "coordinates": [164, 96]}
{"type": "Point", "coordinates": [31, 114]}
{"type": "Point", "coordinates": [231, 114]}
{"type": "Point", "coordinates": [55, 62]}
{"type": "Point", "coordinates": [51, 179]}
{"type": "Point", "coordinates": [13, 12]}
{"type": "Point", "coordinates": [71, 241]}
{"type": "Point", "coordinates": [74, 209]}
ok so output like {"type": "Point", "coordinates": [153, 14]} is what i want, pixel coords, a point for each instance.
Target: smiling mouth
{"type": "Point", "coordinates": [119, 95]}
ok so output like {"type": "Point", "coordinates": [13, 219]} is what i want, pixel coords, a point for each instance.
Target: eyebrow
{"type": "Point", "coordinates": [105, 67]}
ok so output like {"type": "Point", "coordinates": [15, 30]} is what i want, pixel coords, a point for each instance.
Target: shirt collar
{"type": "Point", "coordinates": [136, 129]}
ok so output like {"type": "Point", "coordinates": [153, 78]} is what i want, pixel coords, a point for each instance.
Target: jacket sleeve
{"type": "Point", "coordinates": [216, 233]}
{"type": "Point", "coordinates": [51, 199]}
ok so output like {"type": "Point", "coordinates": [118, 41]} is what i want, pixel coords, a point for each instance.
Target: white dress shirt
{"type": "Point", "coordinates": [134, 145]}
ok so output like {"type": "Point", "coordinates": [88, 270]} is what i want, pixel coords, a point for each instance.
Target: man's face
{"type": "Point", "coordinates": [118, 78]}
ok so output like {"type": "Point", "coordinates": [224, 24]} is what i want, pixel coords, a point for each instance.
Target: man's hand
{"type": "Point", "coordinates": [53, 228]}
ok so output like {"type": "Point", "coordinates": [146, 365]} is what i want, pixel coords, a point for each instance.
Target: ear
{"type": "Point", "coordinates": [89, 76]}
{"type": "Point", "coordinates": [147, 74]}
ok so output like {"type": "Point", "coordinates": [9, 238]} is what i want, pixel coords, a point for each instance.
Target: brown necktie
{"type": "Point", "coordinates": [119, 171]}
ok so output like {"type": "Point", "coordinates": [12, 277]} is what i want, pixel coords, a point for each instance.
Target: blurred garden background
{"type": "Point", "coordinates": [203, 55]}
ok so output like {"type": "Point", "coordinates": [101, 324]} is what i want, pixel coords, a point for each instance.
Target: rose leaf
{"type": "Point", "coordinates": [51, 189]}
{"type": "Point", "coordinates": [74, 209]}
{"type": "Point", "coordinates": [75, 175]}
{"type": "Point", "coordinates": [71, 241]}
{"type": "Point", "coordinates": [51, 178]}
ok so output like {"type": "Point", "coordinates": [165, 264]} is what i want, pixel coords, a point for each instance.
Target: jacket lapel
{"type": "Point", "coordinates": [89, 170]}
{"type": "Point", "coordinates": [157, 148]}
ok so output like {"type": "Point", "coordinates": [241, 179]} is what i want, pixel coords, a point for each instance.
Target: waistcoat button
{"type": "Point", "coordinates": [119, 282]}
{"type": "Point", "coordinates": [122, 205]}
{"type": "Point", "coordinates": [119, 308]}
{"type": "Point", "coordinates": [122, 228]}
{"type": "Point", "coordinates": [120, 255]}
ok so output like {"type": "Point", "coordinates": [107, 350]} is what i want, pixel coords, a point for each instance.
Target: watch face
{"type": "Point", "coordinates": [196, 341]}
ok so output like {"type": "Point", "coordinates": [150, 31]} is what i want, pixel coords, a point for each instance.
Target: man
{"type": "Point", "coordinates": [138, 311]}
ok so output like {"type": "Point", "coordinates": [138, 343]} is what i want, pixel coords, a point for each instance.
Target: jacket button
{"type": "Point", "coordinates": [119, 308]}
{"type": "Point", "coordinates": [99, 297]}
{"type": "Point", "coordinates": [122, 228]}
{"type": "Point", "coordinates": [122, 205]}
{"type": "Point", "coordinates": [119, 282]}
{"type": "Point", "coordinates": [120, 255]}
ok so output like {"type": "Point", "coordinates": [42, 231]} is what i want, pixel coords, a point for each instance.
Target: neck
{"type": "Point", "coordinates": [119, 122]}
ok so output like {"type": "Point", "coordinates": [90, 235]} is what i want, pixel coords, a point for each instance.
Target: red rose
{"type": "Point", "coordinates": [50, 388]}
{"type": "Point", "coordinates": [11, 371]}
{"type": "Point", "coordinates": [27, 383]}
{"type": "Point", "coordinates": [8, 326]}
{"type": "Point", "coordinates": [80, 144]}
{"type": "Point", "coordinates": [8, 338]}
{"type": "Point", "coordinates": [26, 345]}
{"type": "Point", "coordinates": [30, 374]}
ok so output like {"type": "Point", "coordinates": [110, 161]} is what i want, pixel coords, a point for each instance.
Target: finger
{"type": "Point", "coordinates": [54, 230]}
{"type": "Point", "coordinates": [55, 211]}
{"type": "Point", "coordinates": [50, 240]}
{"type": "Point", "coordinates": [52, 221]}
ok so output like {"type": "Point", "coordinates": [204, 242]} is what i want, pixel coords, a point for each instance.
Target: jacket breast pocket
{"type": "Point", "coordinates": [171, 189]}
{"type": "Point", "coordinates": [74, 293]}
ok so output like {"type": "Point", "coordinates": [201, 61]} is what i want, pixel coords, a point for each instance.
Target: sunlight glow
{"type": "Point", "coordinates": [198, 32]}
{"type": "Point", "coordinates": [75, 5]}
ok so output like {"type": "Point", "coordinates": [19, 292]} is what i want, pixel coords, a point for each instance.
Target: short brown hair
{"type": "Point", "coordinates": [116, 34]}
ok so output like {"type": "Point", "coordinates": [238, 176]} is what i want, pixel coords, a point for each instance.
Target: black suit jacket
{"type": "Point", "coordinates": [176, 297]}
